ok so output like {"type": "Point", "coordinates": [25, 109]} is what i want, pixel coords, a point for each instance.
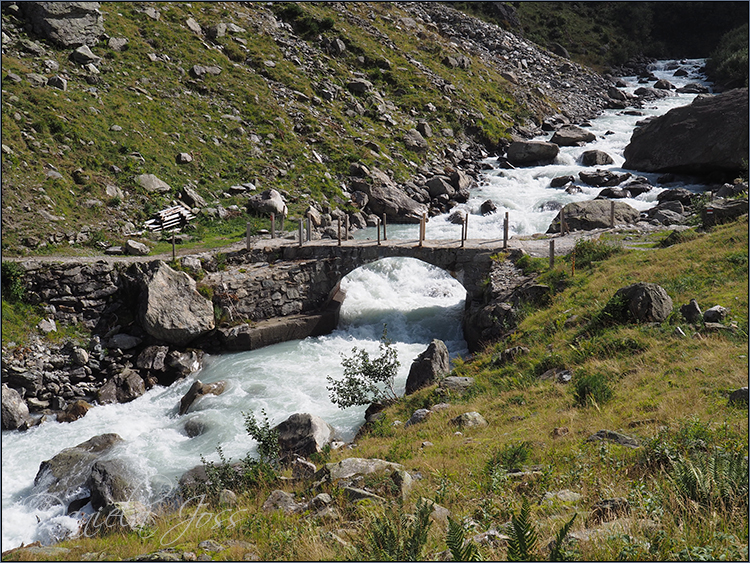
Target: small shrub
{"type": "Point", "coordinates": [591, 389]}
{"type": "Point", "coordinates": [531, 265]}
{"type": "Point", "coordinates": [523, 539]}
{"type": "Point", "coordinates": [713, 480]}
{"type": "Point", "coordinates": [510, 457]}
{"type": "Point", "coordinates": [266, 436]}
{"type": "Point", "coordinates": [366, 380]}
{"type": "Point", "coordinates": [206, 291]}
{"type": "Point", "coordinates": [586, 252]}
{"type": "Point", "coordinates": [13, 288]}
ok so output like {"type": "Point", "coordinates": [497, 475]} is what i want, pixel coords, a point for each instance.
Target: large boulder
{"type": "Point", "coordinates": [723, 210]}
{"type": "Point", "coordinates": [642, 302]}
{"type": "Point", "coordinates": [303, 434]}
{"type": "Point", "coordinates": [68, 24]}
{"type": "Point", "coordinates": [386, 197]}
{"type": "Point", "coordinates": [704, 137]}
{"type": "Point", "coordinates": [594, 214]}
{"type": "Point", "coordinates": [171, 308]}
{"type": "Point", "coordinates": [123, 387]}
{"type": "Point", "coordinates": [428, 367]}
{"type": "Point", "coordinates": [110, 481]}
{"type": "Point", "coordinates": [571, 136]}
{"type": "Point", "coordinates": [531, 153]}
{"type": "Point", "coordinates": [269, 201]}
{"type": "Point", "coordinates": [602, 178]}
{"type": "Point", "coordinates": [62, 478]}
{"type": "Point", "coordinates": [15, 412]}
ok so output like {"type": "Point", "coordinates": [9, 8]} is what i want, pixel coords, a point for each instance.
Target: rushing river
{"type": "Point", "coordinates": [416, 301]}
{"type": "Point", "coordinates": [524, 193]}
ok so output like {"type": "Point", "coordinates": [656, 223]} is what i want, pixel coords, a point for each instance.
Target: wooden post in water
{"type": "Point", "coordinates": [247, 237]}
{"type": "Point", "coordinates": [273, 225]}
{"type": "Point", "coordinates": [505, 232]}
{"type": "Point", "coordinates": [339, 226]}
{"type": "Point", "coordinates": [300, 231]}
{"type": "Point", "coordinates": [552, 253]}
{"type": "Point", "coordinates": [385, 236]}
{"type": "Point", "coordinates": [612, 213]}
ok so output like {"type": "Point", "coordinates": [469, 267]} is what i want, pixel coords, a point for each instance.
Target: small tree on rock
{"type": "Point", "coordinates": [366, 380]}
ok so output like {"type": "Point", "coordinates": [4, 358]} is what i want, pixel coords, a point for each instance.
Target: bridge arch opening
{"type": "Point", "coordinates": [417, 301]}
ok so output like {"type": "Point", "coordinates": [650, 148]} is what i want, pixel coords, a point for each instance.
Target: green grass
{"type": "Point", "coordinates": [162, 110]}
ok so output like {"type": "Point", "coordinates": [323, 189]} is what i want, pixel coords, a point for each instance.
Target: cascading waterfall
{"type": "Point", "coordinates": [416, 301]}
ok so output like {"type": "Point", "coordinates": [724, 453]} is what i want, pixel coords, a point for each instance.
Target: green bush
{"type": "Point", "coordinates": [13, 288]}
{"type": "Point", "coordinates": [587, 252]}
{"type": "Point", "coordinates": [591, 389]}
{"type": "Point", "coordinates": [510, 457]}
{"type": "Point", "coordinates": [728, 64]}
{"type": "Point", "coordinates": [366, 380]}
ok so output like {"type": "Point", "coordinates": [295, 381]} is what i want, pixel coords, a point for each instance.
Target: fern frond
{"type": "Point", "coordinates": [461, 550]}
{"type": "Point", "coordinates": [557, 553]}
{"type": "Point", "coordinates": [523, 539]}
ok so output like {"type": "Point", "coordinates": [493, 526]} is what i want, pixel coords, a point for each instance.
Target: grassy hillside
{"type": "Point", "coordinates": [278, 114]}
{"type": "Point", "coordinates": [686, 485]}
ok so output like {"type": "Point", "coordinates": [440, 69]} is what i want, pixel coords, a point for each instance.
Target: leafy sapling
{"type": "Point", "coordinates": [366, 380]}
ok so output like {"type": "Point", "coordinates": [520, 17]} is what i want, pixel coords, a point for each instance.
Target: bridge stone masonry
{"type": "Point", "coordinates": [291, 291]}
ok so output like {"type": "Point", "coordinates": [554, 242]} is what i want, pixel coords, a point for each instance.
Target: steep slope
{"type": "Point", "coordinates": [284, 95]}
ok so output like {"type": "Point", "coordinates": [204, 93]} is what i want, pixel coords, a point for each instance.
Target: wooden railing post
{"type": "Point", "coordinates": [552, 253]}
{"type": "Point", "coordinates": [338, 220]}
{"type": "Point", "coordinates": [273, 225]}
{"type": "Point", "coordinates": [385, 236]}
{"type": "Point", "coordinates": [300, 231]}
{"type": "Point", "coordinates": [247, 237]}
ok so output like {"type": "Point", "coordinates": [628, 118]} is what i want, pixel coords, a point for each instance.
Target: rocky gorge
{"type": "Point", "coordinates": [140, 339]}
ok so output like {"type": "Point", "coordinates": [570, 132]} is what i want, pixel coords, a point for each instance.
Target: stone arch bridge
{"type": "Point", "coordinates": [279, 278]}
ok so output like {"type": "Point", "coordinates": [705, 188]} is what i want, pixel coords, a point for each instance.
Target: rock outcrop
{"type": "Point", "coordinates": [428, 367]}
{"type": "Point", "coordinates": [708, 136]}
{"type": "Point", "coordinates": [303, 434]}
{"type": "Point", "coordinates": [69, 24]}
{"type": "Point", "coordinates": [15, 412]}
{"type": "Point", "coordinates": [595, 214]}
{"type": "Point", "coordinates": [641, 302]}
{"type": "Point", "coordinates": [171, 308]}
{"type": "Point", "coordinates": [531, 153]}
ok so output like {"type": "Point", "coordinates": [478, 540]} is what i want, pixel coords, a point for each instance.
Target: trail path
{"type": "Point", "coordinates": [535, 245]}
